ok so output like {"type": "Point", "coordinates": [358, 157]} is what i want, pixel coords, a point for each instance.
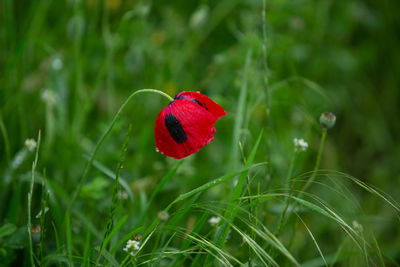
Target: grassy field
{"type": "Point", "coordinates": [81, 181]}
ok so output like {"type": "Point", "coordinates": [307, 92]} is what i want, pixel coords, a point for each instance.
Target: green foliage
{"type": "Point", "coordinates": [72, 70]}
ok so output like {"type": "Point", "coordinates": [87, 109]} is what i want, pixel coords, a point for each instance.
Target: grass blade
{"type": "Point", "coordinates": [68, 234]}
{"type": "Point", "coordinates": [211, 184]}
{"type": "Point", "coordinates": [114, 201]}
{"type": "Point", "coordinates": [159, 187]}
{"type": "Point", "coordinates": [29, 224]}
{"type": "Point", "coordinates": [239, 117]}
{"type": "Point", "coordinates": [237, 191]}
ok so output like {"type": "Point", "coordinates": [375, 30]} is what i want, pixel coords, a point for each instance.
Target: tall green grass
{"type": "Point", "coordinates": [71, 70]}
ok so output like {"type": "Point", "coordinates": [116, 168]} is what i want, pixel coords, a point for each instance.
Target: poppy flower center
{"type": "Point", "coordinates": [175, 129]}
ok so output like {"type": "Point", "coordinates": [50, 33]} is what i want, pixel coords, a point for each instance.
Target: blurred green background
{"type": "Point", "coordinates": [67, 66]}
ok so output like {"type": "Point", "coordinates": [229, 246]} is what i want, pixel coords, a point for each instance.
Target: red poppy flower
{"type": "Point", "coordinates": [186, 124]}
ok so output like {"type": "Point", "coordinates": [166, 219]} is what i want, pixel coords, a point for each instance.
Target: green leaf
{"type": "Point", "coordinates": [7, 229]}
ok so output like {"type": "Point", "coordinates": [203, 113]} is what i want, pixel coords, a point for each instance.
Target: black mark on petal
{"type": "Point", "coordinates": [194, 100]}
{"type": "Point", "coordinates": [179, 97]}
{"type": "Point", "coordinates": [198, 102]}
{"type": "Point", "coordinates": [175, 129]}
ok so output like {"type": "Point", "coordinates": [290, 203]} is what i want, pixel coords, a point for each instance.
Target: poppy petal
{"type": "Point", "coordinates": [183, 128]}
{"type": "Point", "coordinates": [203, 101]}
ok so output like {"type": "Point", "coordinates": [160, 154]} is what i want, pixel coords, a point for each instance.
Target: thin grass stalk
{"type": "Point", "coordinates": [251, 211]}
{"type": "Point", "coordinates": [185, 208]}
{"type": "Point", "coordinates": [5, 182]}
{"type": "Point", "coordinates": [109, 50]}
{"type": "Point", "coordinates": [266, 82]}
{"type": "Point", "coordinates": [78, 66]}
{"type": "Point", "coordinates": [6, 140]}
{"type": "Point", "coordinates": [289, 183]}
{"type": "Point", "coordinates": [251, 216]}
{"type": "Point", "coordinates": [105, 134]}
{"type": "Point", "coordinates": [337, 254]}
{"type": "Point", "coordinates": [44, 200]}
{"type": "Point", "coordinates": [29, 224]}
{"type": "Point", "coordinates": [262, 233]}
{"type": "Point", "coordinates": [235, 198]}
{"type": "Point", "coordinates": [250, 204]}
{"type": "Point", "coordinates": [68, 234]}
{"type": "Point", "coordinates": [187, 242]}
{"type": "Point", "coordinates": [86, 249]}
{"type": "Point", "coordinates": [317, 162]}
{"type": "Point", "coordinates": [57, 239]}
{"type": "Point", "coordinates": [239, 117]}
{"type": "Point", "coordinates": [329, 213]}
{"type": "Point", "coordinates": [314, 240]}
{"type": "Point", "coordinates": [381, 261]}
{"type": "Point", "coordinates": [150, 229]}
{"type": "Point", "coordinates": [208, 246]}
{"type": "Point", "coordinates": [312, 177]}
{"type": "Point", "coordinates": [211, 184]}
{"type": "Point", "coordinates": [160, 185]}
{"type": "Point", "coordinates": [115, 198]}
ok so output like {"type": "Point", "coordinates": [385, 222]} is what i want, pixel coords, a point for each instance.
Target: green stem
{"type": "Point", "coordinates": [251, 211]}
{"type": "Point", "coordinates": [266, 86]}
{"type": "Point", "coordinates": [289, 184]}
{"type": "Point", "coordinates": [79, 107]}
{"type": "Point", "coordinates": [290, 181]}
{"type": "Point", "coordinates": [289, 176]}
{"type": "Point", "coordinates": [317, 162]}
{"type": "Point", "coordinates": [43, 204]}
{"type": "Point", "coordinates": [115, 200]}
{"type": "Point", "coordinates": [6, 141]}
{"type": "Point", "coordinates": [109, 46]}
{"type": "Point", "coordinates": [29, 223]}
{"type": "Point", "coordinates": [106, 133]}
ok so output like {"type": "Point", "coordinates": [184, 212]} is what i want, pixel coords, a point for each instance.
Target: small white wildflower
{"type": "Point", "coordinates": [48, 96]}
{"type": "Point", "coordinates": [30, 144]}
{"type": "Point", "coordinates": [157, 150]}
{"type": "Point", "coordinates": [131, 245]}
{"type": "Point", "coordinates": [57, 64]}
{"type": "Point", "coordinates": [300, 144]}
{"type": "Point", "coordinates": [213, 221]}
